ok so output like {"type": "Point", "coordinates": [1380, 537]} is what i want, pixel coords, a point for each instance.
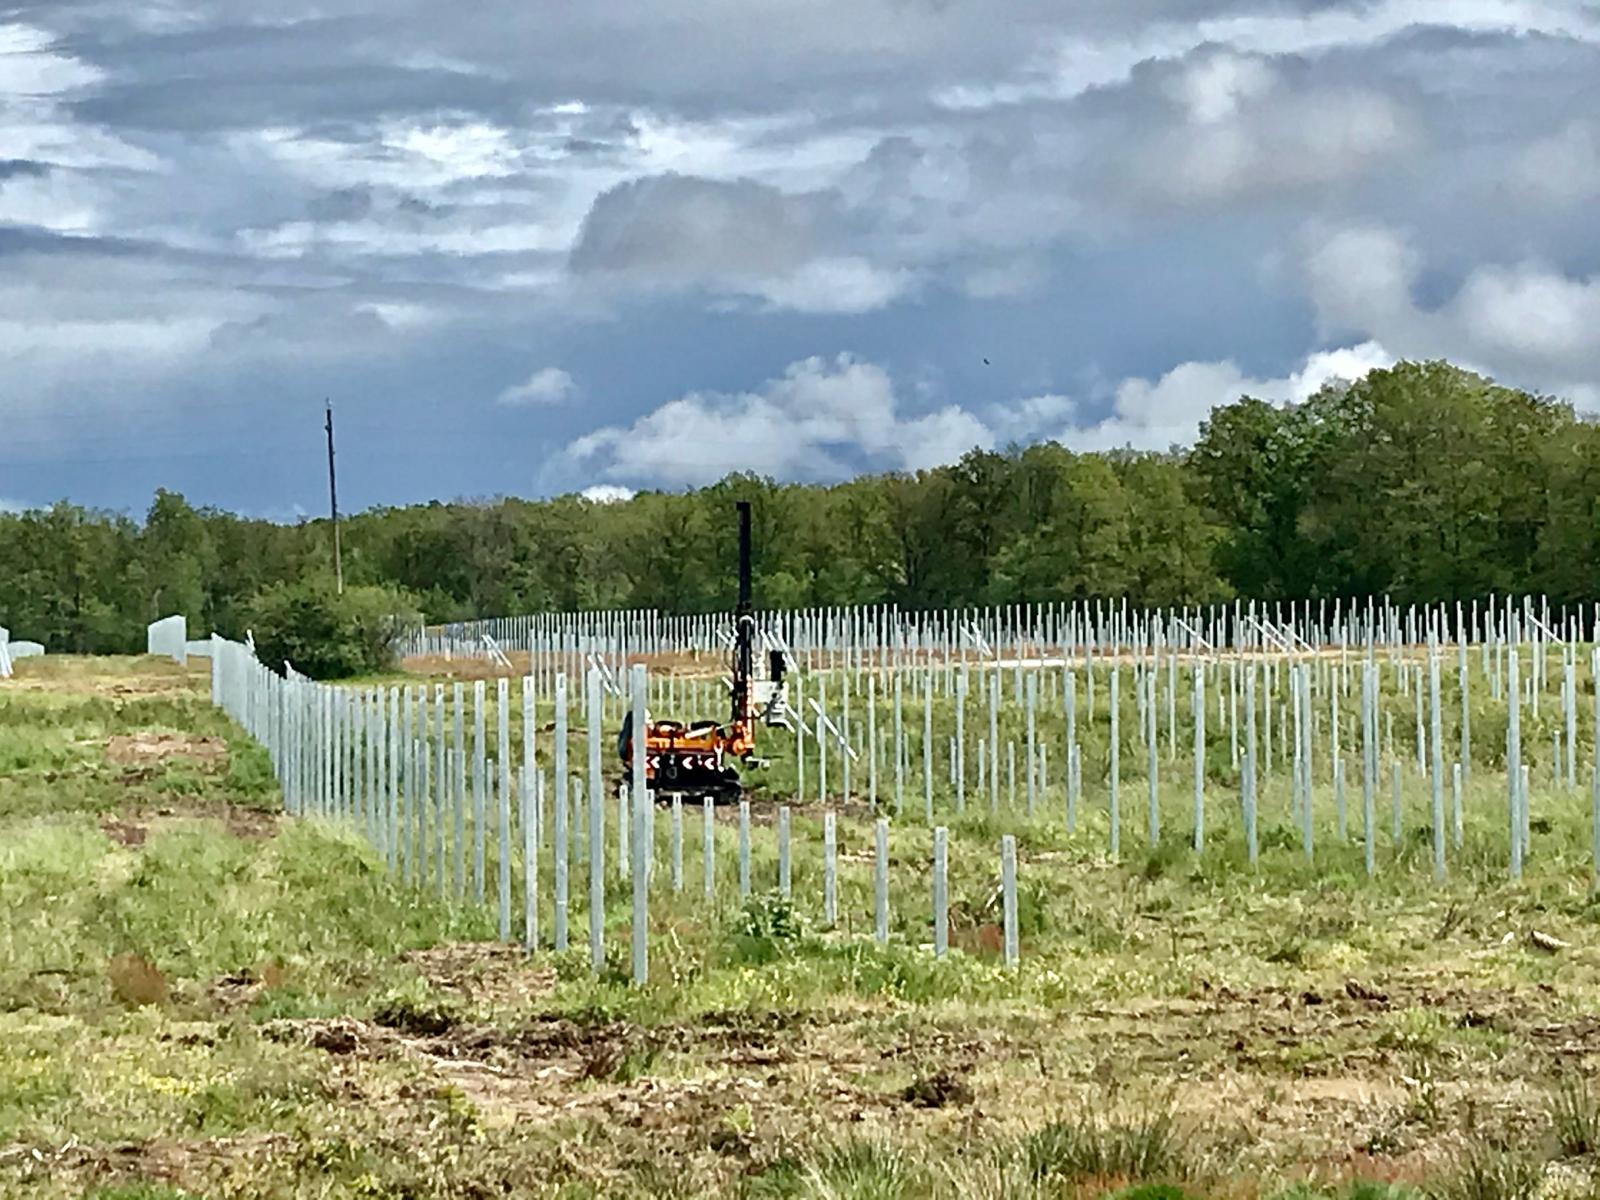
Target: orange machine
{"type": "Point", "coordinates": [702, 759]}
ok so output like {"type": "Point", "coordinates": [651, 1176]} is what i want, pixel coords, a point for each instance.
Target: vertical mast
{"type": "Point", "coordinates": [744, 624]}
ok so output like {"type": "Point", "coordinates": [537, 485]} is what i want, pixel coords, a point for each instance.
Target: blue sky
{"type": "Point", "coordinates": [530, 249]}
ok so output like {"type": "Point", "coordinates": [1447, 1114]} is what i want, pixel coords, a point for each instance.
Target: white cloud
{"type": "Point", "coordinates": [1536, 322]}
{"type": "Point", "coordinates": [1076, 64]}
{"type": "Point", "coordinates": [1360, 277]}
{"type": "Point", "coordinates": [608, 493]}
{"type": "Point", "coordinates": [549, 385]}
{"type": "Point", "coordinates": [30, 65]}
{"type": "Point", "coordinates": [382, 238]}
{"type": "Point", "coordinates": [1004, 280]}
{"type": "Point", "coordinates": [91, 342]}
{"type": "Point", "coordinates": [38, 200]}
{"type": "Point", "coordinates": [1531, 312]}
{"type": "Point", "coordinates": [940, 437]}
{"type": "Point", "coordinates": [1166, 412]}
{"type": "Point", "coordinates": [733, 237]}
{"type": "Point", "coordinates": [1563, 168]}
{"type": "Point", "coordinates": [825, 418]}
{"type": "Point", "coordinates": [404, 153]}
{"type": "Point", "coordinates": [38, 81]}
{"type": "Point", "coordinates": [1351, 364]}
{"type": "Point", "coordinates": [1245, 130]}
{"type": "Point", "coordinates": [406, 316]}
{"type": "Point", "coordinates": [836, 285]}
{"type": "Point", "coordinates": [820, 420]}
{"type": "Point", "coordinates": [1213, 88]}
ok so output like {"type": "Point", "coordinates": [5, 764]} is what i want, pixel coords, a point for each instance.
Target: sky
{"type": "Point", "coordinates": [532, 249]}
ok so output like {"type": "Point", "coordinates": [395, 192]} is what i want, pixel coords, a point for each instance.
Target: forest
{"type": "Point", "coordinates": [1424, 482]}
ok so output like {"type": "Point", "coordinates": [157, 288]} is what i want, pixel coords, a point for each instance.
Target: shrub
{"type": "Point", "coordinates": [327, 635]}
{"type": "Point", "coordinates": [765, 929]}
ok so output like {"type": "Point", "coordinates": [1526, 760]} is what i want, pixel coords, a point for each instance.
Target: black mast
{"type": "Point", "coordinates": [333, 505]}
{"type": "Point", "coordinates": [744, 623]}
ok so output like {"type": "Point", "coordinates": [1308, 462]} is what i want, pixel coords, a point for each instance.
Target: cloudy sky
{"type": "Point", "coordinates": [536, 248]}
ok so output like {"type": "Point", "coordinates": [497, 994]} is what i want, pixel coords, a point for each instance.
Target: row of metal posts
{"type": "Point", "coordinates": [407, 762]}
{"type": "Point", "coordinates": [1302, 677]}
{"type": "Point", "coordinates": [831, 638]}
{"type": "Point", "coordinates": [363, 757]}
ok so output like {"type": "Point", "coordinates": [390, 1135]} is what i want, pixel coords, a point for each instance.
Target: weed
{"type": "Point", "coordinates": [1419, 1033]}
{"type": "Point", "coordinates": [416, 1010]}
{"type": "Point", "coordinates": [861, 1169]}
{"type": "Point", "coordinates": [782, 1179]}
{"type": "Point", "coordinates": [1357, 1189]}
{"type": "Point", "coordinates": [1575, 1116]}
{"type": "Point", "coordinates": [136, 981]}
{"type": "Point", "coordinates": [1169, 853]}
{"type": "Point", "coordinates": [1484, 1171]}
{"type": "Point", "coordinates": [1287, 949]}
{"type": "Point", "coordinates": [768, 927]}
{"type": "Point", "coordinates": [1092, 1146]}
{"type": "Point", "coordinates": [1152, 1191]}
{"type": "Point", "coordinates": [1423, 1106]}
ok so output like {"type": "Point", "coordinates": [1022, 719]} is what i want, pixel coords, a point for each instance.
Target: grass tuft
{"type": "Point", "coordinates": [862, 1169]}
{"type": "Point", "coordinates": [1145, 1148]}
{"type": "Point", "coordinates": [1485, 1171]}
{"type": "Point", "coordinates": [1575, 1117]}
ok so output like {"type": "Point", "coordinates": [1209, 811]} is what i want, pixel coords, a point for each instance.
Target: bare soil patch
{"type": "Point", "coordinates": [242, 987]}
{"type": "Point", "coordinates": [483, 973]}
{"type": "Point", "coordinates": [151, 748]}
{"type": "Point", "coordinates": [437, 666]}
{"type": "Point", "coordinates": [120, 677]}
{"type": "Point", "coordinates": [132, 826]}
{"type": "Point", "coordinates": [172, 1161]}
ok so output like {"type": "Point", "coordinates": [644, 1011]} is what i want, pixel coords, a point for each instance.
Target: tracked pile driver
{"type": "Point", "coordinates": [702, 759]}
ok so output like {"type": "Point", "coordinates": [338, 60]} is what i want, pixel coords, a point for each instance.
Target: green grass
{"type": "Point", "coordinates": [1179, 1024]}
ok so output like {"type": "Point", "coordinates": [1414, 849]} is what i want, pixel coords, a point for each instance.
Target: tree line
{"type": "Point", "coordinates": [1424, 482]}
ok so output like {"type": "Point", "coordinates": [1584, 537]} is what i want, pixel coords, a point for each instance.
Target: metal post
{"type": "Point", "coordinates": [596, 832]}
{"type": "Point", "coordinates": [830, 870]}
{"type": "Point", "coordinates": [1008, 887]}
{"type": "Point", "coordinates": [639, 810]}
{"type": "Point", "coordinates": [744, 850]}
{"type": "Point", "coordinates": [880, 878]}
{"type": "Point", "coordinates": [560, 813]}
{"type": "Point", "coordinates": [708, 849]}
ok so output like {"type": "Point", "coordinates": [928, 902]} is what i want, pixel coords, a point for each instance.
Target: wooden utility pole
{"type": "Point", "coordinates": [333, 503]}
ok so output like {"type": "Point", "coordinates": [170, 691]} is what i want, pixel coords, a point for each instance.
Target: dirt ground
{"type": "Point", "coordinates": [1321, 1081]}
{"type": "Point", "coordinates": [133, 825]}
{"type": "Point", "coordinates": [121, 678]}
{"type": "Point", "coordinates": [150, 747]}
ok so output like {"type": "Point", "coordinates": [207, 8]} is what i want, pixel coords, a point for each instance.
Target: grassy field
{"type": "Point", "coordinates": [201, 998]}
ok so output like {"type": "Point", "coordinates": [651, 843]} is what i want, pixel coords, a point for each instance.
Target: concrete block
{"type": "Point", "coordinates": [169, 637]}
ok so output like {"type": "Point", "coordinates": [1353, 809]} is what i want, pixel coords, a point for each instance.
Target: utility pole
{"type": "Point", "coordinates": [333, 504]}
